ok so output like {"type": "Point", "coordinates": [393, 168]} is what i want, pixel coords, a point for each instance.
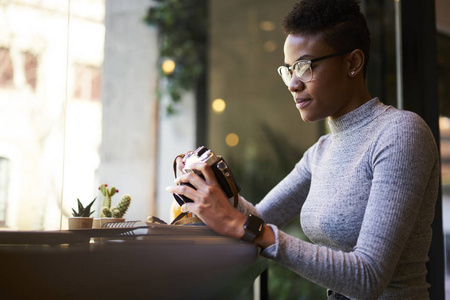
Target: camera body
{"type": "Point", "coordinates": [217, 164]}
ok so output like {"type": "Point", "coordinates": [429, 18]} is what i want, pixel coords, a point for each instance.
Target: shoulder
{"type": "Point", "coordinates": [400, 114]}
{"type": "Point", "coordinates": [403, 131]}
{"type": "Point", "coordinates": [402, 124]}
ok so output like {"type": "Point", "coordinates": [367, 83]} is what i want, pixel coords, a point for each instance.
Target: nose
{"type": "Point", "coordinates": [296, 85]}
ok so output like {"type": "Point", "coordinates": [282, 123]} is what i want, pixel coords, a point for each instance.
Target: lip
{"type": "Point", "coordinates": [302, 102]}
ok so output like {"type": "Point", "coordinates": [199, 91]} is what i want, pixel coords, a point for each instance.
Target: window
{"type": "Point", "coordinates": [4, 189]}
{"type": "Point", "coordinates": [246, 85]}
{"type": "Point", "coordinates": [6, 69]}
{"type": "Point", "coordinates": [25, 68]}
{"type": "Point", "coordinates": [87, 82]}
{"type": "Point", "coordinates": [443, 50]}
{"type": "Point", "coordinates": [31, 64]}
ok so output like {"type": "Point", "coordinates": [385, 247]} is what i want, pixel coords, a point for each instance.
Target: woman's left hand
{"type": "Point", "coordinates": [210, 204]}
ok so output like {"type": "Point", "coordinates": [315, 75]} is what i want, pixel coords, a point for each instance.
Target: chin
{"type": "Point", "coordinates": [305, 117]}
{"type": "Point", "coordinates": [310, 118]}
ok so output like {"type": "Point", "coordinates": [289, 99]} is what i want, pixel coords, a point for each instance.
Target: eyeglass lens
{"type": "Point", "coordinates": [301, 69]}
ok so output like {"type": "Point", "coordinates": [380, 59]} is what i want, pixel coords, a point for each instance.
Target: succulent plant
{"type": "Point", "coordinates": [83, 211]}
{"type": "Point", "coordinates": [117, 211]}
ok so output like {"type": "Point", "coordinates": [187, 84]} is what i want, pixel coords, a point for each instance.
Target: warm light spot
{"type": "Point", "coordinates": [168, 66]}
{"type": "Point", "coordinates": [218, 106]}
{"type": "Point", "coordinates": [270, 46]}
{"type": "Point", "coordinates": [267, 26]}
{"type": "Point", "coordinates": [444, 123]}
{"type": "Point", "coordinates": [444, 129]}
{"type": "Point", "coordinates": [232, 139]}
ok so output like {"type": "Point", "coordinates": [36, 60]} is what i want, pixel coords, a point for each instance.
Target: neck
{"type": "Point", "coordinates": [358, 94]}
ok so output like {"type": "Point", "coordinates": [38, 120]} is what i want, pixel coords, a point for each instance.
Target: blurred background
{"type": "Point", "coordinates": [110, 91]}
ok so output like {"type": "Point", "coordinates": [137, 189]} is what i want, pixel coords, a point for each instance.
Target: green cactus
{"type": "Point", "coordinates": [121, 208]}
{"type": "Point", "coordinates": [107, 195]}
{"type": "Point", "coordinates": [106, 212]}
{"type": "Point", "coordinates": [83, 211]}
{"type": "Point", "coordinates": [117, 211]}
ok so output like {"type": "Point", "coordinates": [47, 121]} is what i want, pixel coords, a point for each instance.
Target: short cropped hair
{"type": "Point", "coordinates": [340, 23]}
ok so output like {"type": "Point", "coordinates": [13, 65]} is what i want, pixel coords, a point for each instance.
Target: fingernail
{"type": "Point", "coordinates": [168, 188]}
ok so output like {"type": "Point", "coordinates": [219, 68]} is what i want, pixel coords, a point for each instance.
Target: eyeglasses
{"type": "Point", "coordinates": [302, 69]}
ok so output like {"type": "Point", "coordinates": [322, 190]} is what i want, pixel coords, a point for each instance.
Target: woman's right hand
{"type": "Point", "coordinates": [209, 201]}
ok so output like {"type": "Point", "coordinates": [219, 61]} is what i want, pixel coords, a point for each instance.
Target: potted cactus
{"type": "Point", "coordinates": [82, 218]}
{"type": "Point", "coordinates": [110, 213]}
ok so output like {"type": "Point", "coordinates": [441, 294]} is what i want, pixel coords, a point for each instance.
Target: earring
{"type": "Point", "coordinates": [352, 73]}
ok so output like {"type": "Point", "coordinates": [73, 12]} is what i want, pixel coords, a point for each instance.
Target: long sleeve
{"type": "Point", "coordinates": [283, 203]}
{"type": "Point", "coordinates": [368, 209]}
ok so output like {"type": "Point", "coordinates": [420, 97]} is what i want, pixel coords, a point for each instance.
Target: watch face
{"type": "Point", "coordinates": [252, 228]}
{"type": "Point", "coordinates": [254, 224]}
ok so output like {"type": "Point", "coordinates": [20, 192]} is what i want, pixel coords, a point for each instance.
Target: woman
{"type": "Point", "coordinates": [365, 192]}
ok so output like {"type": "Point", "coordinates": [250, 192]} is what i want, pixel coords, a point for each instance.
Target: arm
{"type": "Point", "coordinates": [400, 207]}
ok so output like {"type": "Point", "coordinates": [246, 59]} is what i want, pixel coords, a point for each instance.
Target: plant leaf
{"type": "Point", "coordinates": [80, 207]}
{"type": "Point", "coordinates": [74, 213]}
{"type": "Point", "coordinates": [88, 208]}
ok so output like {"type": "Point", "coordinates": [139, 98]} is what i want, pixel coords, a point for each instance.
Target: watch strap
{"type": "Point", "coordinates": [253, 228]}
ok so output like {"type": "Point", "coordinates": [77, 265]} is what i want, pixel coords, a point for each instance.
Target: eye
{"type": "Point", "coordinates": [301, 67]}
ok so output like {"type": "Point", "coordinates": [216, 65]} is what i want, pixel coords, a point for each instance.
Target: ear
{"type": "Point", "coordinates": [355, 64]}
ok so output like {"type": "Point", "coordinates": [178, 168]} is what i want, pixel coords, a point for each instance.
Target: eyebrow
{"type": "Point", "coordinates": [303, 57]}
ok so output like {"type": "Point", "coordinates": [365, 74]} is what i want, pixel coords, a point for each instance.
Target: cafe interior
{"type": "Point", "coordinates": [97, 99]}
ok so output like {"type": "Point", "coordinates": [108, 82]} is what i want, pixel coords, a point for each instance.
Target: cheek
{"type": "Point", "coordinates": [318, 89]}
{"type": "Point", "coordinates": [325, 87]}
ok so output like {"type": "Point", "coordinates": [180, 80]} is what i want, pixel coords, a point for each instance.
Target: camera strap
{"type": "Point", "coordinates": [223, 167]}
{"type": "Point", "coordinates": [182, 214]}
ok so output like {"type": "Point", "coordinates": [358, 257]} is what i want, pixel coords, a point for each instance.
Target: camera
{"type": "Point", "coordinates": [218, 165]}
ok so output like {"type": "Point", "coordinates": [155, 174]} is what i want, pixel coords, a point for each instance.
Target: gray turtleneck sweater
{"type": "Point", "coordinates": [365, 194]}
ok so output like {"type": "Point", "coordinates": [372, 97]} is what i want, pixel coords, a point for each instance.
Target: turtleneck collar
{"type": "Point", "coordinates": [357, 117]}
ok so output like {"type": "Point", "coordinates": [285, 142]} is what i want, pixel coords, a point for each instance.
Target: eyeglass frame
{"type": "Point", "coordinates": [309, 62]}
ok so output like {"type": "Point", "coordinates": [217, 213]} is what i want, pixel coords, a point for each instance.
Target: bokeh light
{"type": "Point", "coordinates": [218, 106]}
{"type": "Point", "coordinates": [270, 46]}
{"type": "Point", "coordinates": [267, 26]}
{"type": "Point", "coordinates": [168, 66]}
{"type": "Point", "coordinates": [232, 139]}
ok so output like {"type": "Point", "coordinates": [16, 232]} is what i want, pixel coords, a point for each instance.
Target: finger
{"type": "Point", "coordinates": [183, 190]}
{"type": "Point", "coordinates": [189, 208]}
{"type": "Point", "coordinates": [185, 208]}
{"type": "Point", "coordinates": [207, 172]}
{"type": "Point", "coordinates": [192, 178]}
{"type": "Point", "coordinates": [185, 178]}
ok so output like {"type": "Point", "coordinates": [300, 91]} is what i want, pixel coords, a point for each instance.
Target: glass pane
{"type": "Point", "coordinates": [253, 121]}
{"type": "Point", "coordinates": [258, 124]}
{"type": "Point", "coordinates": [83, 124]}
{"type": "Point", "coordinates": [111, 107]}
{"type": "Point", "coordinates": [443, 48]}
{"type": "Point", "coordinates": [33, 56]}
{"type": "Point", "coordinates": [381, 75]}
{"type": "Point", "coordinates": [77, 108]}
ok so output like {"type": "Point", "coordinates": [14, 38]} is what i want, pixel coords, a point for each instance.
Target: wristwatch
{"type": "Point", "coordinates": [253, 227]}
